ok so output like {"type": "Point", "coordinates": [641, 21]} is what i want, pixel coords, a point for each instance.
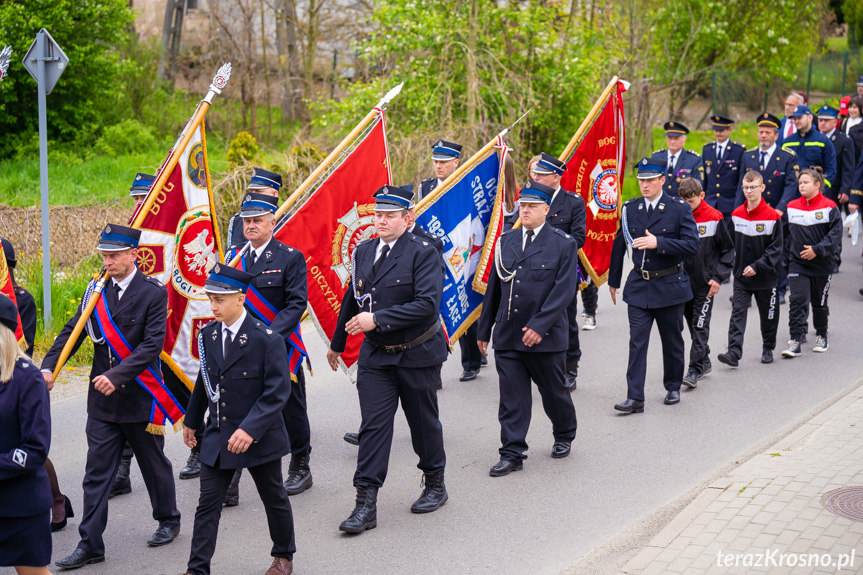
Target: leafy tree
{"type": "Point", "coordinates": [88, 95]}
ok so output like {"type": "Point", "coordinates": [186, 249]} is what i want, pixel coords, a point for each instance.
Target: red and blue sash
{"type": "Point", "coordinates": [265, 311]}
{"type": "Point", "coordinates": [165, 405]}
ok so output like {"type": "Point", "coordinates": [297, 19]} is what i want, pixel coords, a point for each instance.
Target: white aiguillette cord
{"type": "Point", "coordinates": [505, 276]}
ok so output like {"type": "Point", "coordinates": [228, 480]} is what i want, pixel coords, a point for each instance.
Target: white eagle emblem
{"type": "Point", "coordinates": [201, 254]}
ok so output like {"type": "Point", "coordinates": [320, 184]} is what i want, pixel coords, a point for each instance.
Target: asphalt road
{"type": "Point", "coordinates": [539, 520]}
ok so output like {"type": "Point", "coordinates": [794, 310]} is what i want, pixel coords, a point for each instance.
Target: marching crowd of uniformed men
{"type": "Point", "coordinates": [767, 216]}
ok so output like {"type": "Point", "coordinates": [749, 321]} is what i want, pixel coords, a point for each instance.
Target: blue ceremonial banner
{"type": "Point", "coordinates": [460, 216]}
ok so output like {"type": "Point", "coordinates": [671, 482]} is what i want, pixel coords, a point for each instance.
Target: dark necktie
{"type": "Point", "coordinates": [763, 155]}
{"type": "Point", "coordinates": [649, 210]}
{"type": "Point", "coordinates": [115, 295]}
{"type": "Point", "coordinates": [721, 154]}
{"type": "Point", "coordinates": [253, 257]}
{"type": "Point", "coordinates": [528, 238]}
{"type": "Point", "coordinates": [671, 165]}
{"type": "Point", "coordinates": [380, 261]}
{"type": "Point", "coordinates": [229, 339]}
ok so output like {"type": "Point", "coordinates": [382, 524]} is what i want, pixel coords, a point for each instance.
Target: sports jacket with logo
{"type": "Point", "coordinates": [757, 243]}
{"type": "Point", "coordinates": [817, 223]}
{"type": "Point", "coordinates": [715, 256]}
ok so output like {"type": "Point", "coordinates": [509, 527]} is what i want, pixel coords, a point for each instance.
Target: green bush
{"type": "Point", "coordinates": [127, 137]}
{"type": "Point", "coordinates": [244, 148]}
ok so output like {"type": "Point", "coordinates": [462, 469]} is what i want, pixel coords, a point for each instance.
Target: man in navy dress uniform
{"type": "Point", "coordinates": [568, 214]}
{"type": "Point", "coordinates": [722, 160]}
{"type": "Point", "coordinates": [777, 165]}
{"type": "Point", "coordinates": [660, 231]}
{"type": "Point", "coordinates": [244, 382]}
{"type": "Point", "coordinates": [527, 303]}
{"type": "Point", "coordinates": [445, 158]}
{"type": "Point", "coordinates": [279, 277]}
{"type": "Point", "coordinates": [394, 300]}
{"type": "Point", "coordinates": [682, 163]}
{"type": "Point", "coordinates": [262, 182]}
{"type": "Point", "coordinates": [118, 405]}
{"type": "Point", "coordinates": [812, 147]}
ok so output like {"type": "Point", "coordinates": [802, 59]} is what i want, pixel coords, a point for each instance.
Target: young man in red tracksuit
{"type": "Point", "coordinates": [758, 247]}
{"type": "Point", "coordinates": [707, 269]}
{"type": "Point", "coordinates": [813, 236]}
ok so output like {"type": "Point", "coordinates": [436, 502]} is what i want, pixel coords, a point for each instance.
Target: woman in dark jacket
{"type": "Point", "coordinates": [25, 436]}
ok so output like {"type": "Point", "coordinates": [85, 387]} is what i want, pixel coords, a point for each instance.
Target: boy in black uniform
{"type": "Point", "coordinates": [707, 270]}
{"type": "Point", "coordinates": [245, 383]}
{"type": "Point", "coordinates": [527, 304]}
{"type": "Point", "coordinates": [758, 246]}
{"type": "Point", "coordinates": [813, 235]}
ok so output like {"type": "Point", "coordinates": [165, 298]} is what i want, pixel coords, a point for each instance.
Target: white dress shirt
{"type": "Point", "coordinates": [259, 251]}
{"type": "Point", "coordinates": [648, 203]}
{"type": "Point", "coordinates": [232, 329]}
{"type": "Point", "coordinates": [769, 151]}
{"type": "Point", "coordinates": [124, 283]}
{"type": "Point", "coordinates": [536, 231]}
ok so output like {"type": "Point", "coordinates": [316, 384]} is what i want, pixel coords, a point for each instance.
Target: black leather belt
{"type": "Point", "coordinates": [394, 349]}
{"type": "Point", "coordinates": [652, 275]}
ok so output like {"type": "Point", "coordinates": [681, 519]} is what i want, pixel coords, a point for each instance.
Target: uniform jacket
{"type": "Point", "coordinates": [27, 311]}
{"type": "Point", "coordinates": [721, 180]}
{"type": "Point", "coordinates": [25, 436]}
{"type": "Point", "coordinates": [815, 149]}
{"type": "Point", "coordinates": [405, 298]}
{"type": "Point", "coordinates": [567, 213]}
{"type": "Point", "coordinates": [780, 177]}
{"type": "Point", "coordinates": [846, 162]}
{"type": "Point", "coordinates": [816, 223]}
{"type": "Point", "coordinates": [757, 243]}
{"type": "Point", "coordinates": [715, 256]}
{"type": "Point", "coordinates": [676, 238]}
{"type": "Point", "coordinates": [427, 186]}
{"type": "Point", "coordinates": [255, 384]}
{"type": "Point", "coordinates": [280, 277]}
{"type": "Point", "coordinates": [856, 193]}
{"type": "Point", "coordinates": [689, 165]}
{"type": "Point", "coordinates": [544, 284]}
{"type": "Point", "coordinates": [856, 135]}
{"type": "Point", "coordinates": [434, 240]}
{"type": "Point", "coordinates": [141, 317]}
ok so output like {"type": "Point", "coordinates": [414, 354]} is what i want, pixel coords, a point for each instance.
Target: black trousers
{"type": "Point", "coordinates": [296, 418]}
{"type": "Point", "coordinates": [214, 485]}
{"type": "Point", "coordinates": [515, 370]}
{"type": "Point", "coordinates": [806, 290]}
{"type": "Point", "coordinates": [768, 310]}
{"type": "Point", "coordinates": [105, 442]}
{"type": "Point", "coordinates": [590, 298]}
{"type": "Point", "coordinates": [471, 357]}
{"type": "Point", "coordinates": [380, 390]}
{"type": "Point", "coordinates": [573, 352]}
{"type": "Point", "coordinates": [669, 321]}
{"type": "Point", "coordinates": [697, 312]}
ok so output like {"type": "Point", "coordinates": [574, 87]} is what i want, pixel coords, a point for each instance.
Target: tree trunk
{"type": "Point", "coordinates": [312, 37]}
{"type": "Point", "coordinates": [286, 44]}
{"type": "Point", "coordinates": [250, 68]}
{"type": "Point", "coordinates": [266, 74]}
{"type": "Point", "coordinates": [471, 72]}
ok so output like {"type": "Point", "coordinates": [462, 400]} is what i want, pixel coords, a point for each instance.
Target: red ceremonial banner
{"type": "Point", "coordinates": [8, 290]}
{"type": "Point", "coordinates": [595, 172]}
{"type": "Point", "coordinates": [338, 216]}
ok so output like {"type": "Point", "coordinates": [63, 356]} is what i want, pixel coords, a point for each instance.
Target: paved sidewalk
{"type": "Point", "coordinates": [771, 505]}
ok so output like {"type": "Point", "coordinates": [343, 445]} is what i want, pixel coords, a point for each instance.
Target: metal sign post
{"type": "Point", "coordinates": [46, 62]}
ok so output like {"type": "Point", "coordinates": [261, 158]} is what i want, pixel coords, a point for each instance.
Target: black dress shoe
{"type": "Point", "coordinates": [571, 381]}
{"type": "Point", "coordinates": [560, 449]}
{"type": "Point", "coordinates": [672, 397]}
{"type": "Point", "coordinates": [483, 361]}
{"type": "Point", "coordinates": [505, 467]}
{"type": "Point", "coordinates": [728, 359]}
{"type": "Point", "coordinates": [630, 406]}
{"type": "Point", "coordinates": [193, 464]}
{"type": "Point", "coordinates": [78, 559]}
{"type": "Point", "coordinates": [690, 380]}
{"type": "Point", "coordinates": [163, 535]}
{"type": "Point", "coordinates": [767, 356]}
{"type": "Point", "coordinates": [468, 375]}
{"type": "Point", "coordinates": [352, 438]}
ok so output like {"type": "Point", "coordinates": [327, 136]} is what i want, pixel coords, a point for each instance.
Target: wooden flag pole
{"type": "Point", "coordinates": [220, 80]}
{"type": "Point", "coordinates": [332, 157]}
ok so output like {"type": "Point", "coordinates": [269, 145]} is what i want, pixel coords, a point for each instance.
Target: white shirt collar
{"type": "Point", "coordinates": [124, 283]}
{"type": "Point", "coordinates": [554, 195]}
{"type": "Point", "coordinates": [830, 133]}
{"type": "Point", "coordinates": [234, 327]}
{"type": "Point", "coordinates": [536, 231]}
{"type": "Point", "coordinates": [769, 151]}
{"type": "Point", "coordinates": [259, 251]}
{"type": "Point", "coordinates": [439, 182]}
{"type": "Point", "coordinates": [648, 203]}
{"type": "Point", "coordinates": [382, 243]}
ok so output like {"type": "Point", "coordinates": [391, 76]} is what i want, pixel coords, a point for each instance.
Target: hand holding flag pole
{"type": "Point", "coordinates": [220, 80]}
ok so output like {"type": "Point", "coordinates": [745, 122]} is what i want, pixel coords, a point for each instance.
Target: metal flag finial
{"type": "Point", "coordinates": [220, 80]}
{"type": "Point", "coordinates": [5, 58]}
{"type": "Point", "coordinates": [389, 96]}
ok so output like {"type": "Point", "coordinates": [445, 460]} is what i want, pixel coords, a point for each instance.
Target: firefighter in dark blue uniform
{"type": "Point", "coordinates": [445, 158]}
{"type": "Point", "coordinates": [118, 406]}
{"type": "Point", "coordinates": [244, 383]}
{"type": "Point", "coordinates": [682, 163]}
{"type": "Point", "coordinates": [568, 214]}
{"type": "Point", "coordinates": [279, 276]}
{"type": "Point", "coordinates": [778, 166]}
{"type": "Point", "coordinates": [394, 300]}
{"type": "Point", "coordinates": [661, 232]}
{"type": "Point", "coordinates": [527, 301]}
{"type": "Point", "coordinates": [812, 147]}
{"type": "Point", "coordinates": [722, 161]}
{"type": "Point", "coordinates": [262, 182]}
